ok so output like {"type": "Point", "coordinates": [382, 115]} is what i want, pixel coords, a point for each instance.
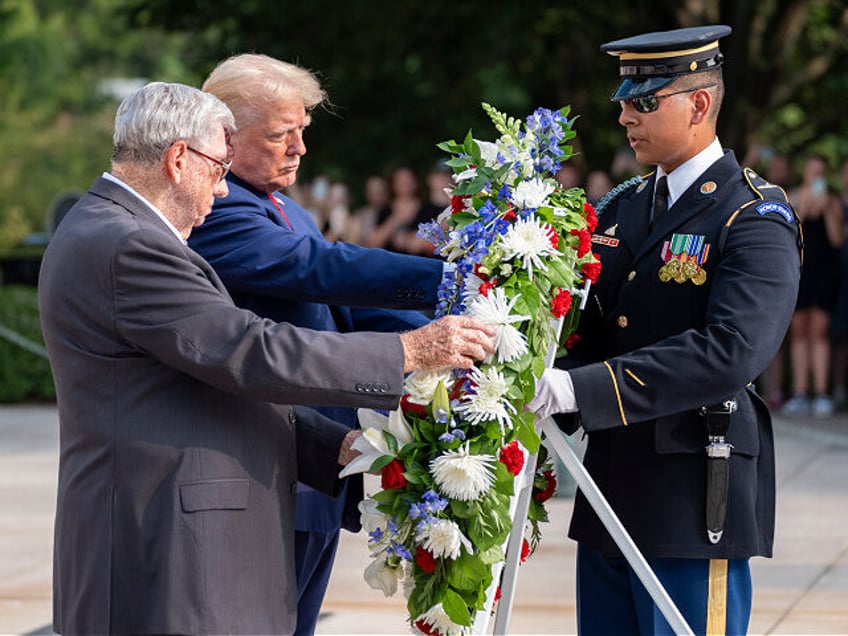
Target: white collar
{"type": "Point", "coordinates": [687, 172]}
{"type": "Point", "coordinates": [110, 177]}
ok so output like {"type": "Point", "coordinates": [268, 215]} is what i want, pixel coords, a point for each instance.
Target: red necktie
{"type": "Point", "coordinates": [280, 210]}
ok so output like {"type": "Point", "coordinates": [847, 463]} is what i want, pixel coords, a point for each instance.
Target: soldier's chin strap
{"type": "Point", "coordinates": [717, 421]}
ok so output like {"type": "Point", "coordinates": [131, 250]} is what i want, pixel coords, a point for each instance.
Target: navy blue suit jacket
{"type": "Point", "coordinates": [656, 347]}
{"type": "Point", "coordinates": [279, 266]}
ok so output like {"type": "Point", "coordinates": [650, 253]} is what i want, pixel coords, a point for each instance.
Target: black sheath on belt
{"type": "Point", "coordinates": [717, 420]}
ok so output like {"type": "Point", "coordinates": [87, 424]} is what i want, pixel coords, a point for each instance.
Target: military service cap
{"type": "Point", "coordinates": [651, 61]}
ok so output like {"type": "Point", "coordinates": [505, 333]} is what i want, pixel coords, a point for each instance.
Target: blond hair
{"type": "Point", "coordinates": [248, 83]}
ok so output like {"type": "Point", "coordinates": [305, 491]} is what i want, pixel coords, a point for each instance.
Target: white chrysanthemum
{"type": "Point", "coordinates": [443, 538]}
{"type": "Point", "coordinates": [372, 443]}
{"type": "Point", "coordinates": [462, 476]}
{"type": "Point", "coordinates": [380, 575]}
{"type": "Point", "coordinates": [489, 402]}
{"type": "Point", "coordinates": [529, 240]}
{"type": "Point", "coordinates": [495, 310]}
{"type": "Point", "coordinates": [438, 619]}
{"type": "Point", "coordinates": [420, 385]}
{"type": "Point", "coordinates": [532, 193]}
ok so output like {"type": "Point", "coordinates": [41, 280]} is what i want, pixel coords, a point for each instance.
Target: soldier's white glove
{"type": "Point", "coordinates": [554, 394]}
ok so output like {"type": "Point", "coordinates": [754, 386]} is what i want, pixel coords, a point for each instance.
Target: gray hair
{"type": "Point", "coordinates": [250, 82]}
{"type": "Point", "coordinates": [157, 115]}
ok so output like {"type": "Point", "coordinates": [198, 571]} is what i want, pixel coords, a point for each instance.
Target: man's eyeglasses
{"type": "Point", "coordinates": [650, 103]}
{"type": "Point", "coordinates": [225, 165]}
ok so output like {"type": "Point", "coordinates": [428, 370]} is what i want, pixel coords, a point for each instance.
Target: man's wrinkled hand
{"type": "Point", "coordinates": [346, 453]}
{"type": "Point", "coordinates": [450, 342]}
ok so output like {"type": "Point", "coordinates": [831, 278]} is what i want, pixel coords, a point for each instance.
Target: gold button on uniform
{"type": "Point", "coordinates": [631, 275]}
{"type": "Point", "coordinates": [622, 321]}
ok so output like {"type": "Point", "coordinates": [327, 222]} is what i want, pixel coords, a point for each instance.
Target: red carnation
{"type": "Point", "coordinates": [572, 340]}
{"type": "Point", "coordinates": [426, 628]}
{"type": "Point", "coordinates": [512, 457]}
{"type": "Point", "coordinates": [478, 273]}
{"type": "Point", "coordinates": [553, 237]}
{"type": "Point", "coordinates": [425, 559]}
{"type": "Point", "coordinates": [392, 475]}
{"type": "Point", "coordinates": [550, 487]}
{"type": "Point", "coordinates": [412, 408]}
{"type": "Point", "coordinates": [591, 217]}
{"type": "Point", "coordinates": [509, 215]}
{"type": "Point", "coordinates": [457, 204]}
{"type": "Point", "coordinates": [561, 303]}
{"type": "Point", "coordinates": [584, 245]}
{"type": "Point", "coordinates": [525, 550]}
{"type": "Point", "coordinates": [487, 286]}
{"type": "Point", "coordinates": [592, 270]}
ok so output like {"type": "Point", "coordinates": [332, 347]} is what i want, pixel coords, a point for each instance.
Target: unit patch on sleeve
{"type": "Point", "coordinates": [777, 207]}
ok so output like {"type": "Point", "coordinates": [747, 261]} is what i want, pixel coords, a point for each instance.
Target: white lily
{"type": "Point", "coordinates": [372, 443]}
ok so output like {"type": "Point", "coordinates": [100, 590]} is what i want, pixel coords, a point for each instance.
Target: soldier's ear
{"type": "Point", "coordinates": [702, 101]}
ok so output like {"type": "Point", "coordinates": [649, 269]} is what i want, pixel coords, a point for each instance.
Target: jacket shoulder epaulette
{"type": "Point", "coordinates": [764, 189]}
{"type": "Point", "coordinates": [616, 192]}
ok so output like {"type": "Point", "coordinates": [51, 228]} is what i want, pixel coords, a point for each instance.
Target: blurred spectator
{"type": "Point", "coordinates": [598, 183]}
{"type": "Point", "coordinates": [568, 176]}
{"type": "Point", "coordinates": [338, 213]}
{"type": "Point", "coordinates": [840, 316]}
{"type": "Point", "coordinates": [624, 165]}
{"type": "Point", "coordinates": [364, 219]}
{"type": "Point", "coordinates": [439, 185]}
{"type": "Point", "coordinates": [820, 212]}
{"type": "Point", "coordinates": [778, 170]}
{"type": "Point", "coordinates": [400, 214]}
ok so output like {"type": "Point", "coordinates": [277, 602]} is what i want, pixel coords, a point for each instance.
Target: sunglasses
{"type": "Point", "coordinates": [223, 165]}
{"type": "Point", "coordinates": [650, 103]}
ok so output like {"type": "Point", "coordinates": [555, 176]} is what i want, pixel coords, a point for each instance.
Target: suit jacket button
{"type": "Point", "coordinates": [359, 387]}
{"type": "Point", "coordinates": [631, 275]}
{"type": "Point", "coordinates": [622, 321]}
{"type": "Point", "coordinates": [293, 487]}
{"type": "Point", "coordinates": [292, 418]}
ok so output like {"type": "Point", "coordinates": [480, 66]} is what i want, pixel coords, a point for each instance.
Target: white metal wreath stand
{"type": "Point", "coordinates": [519, 506]}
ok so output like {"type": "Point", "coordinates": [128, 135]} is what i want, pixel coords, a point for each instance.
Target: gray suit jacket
{"type": "Point", "coordinates": [178, 462]}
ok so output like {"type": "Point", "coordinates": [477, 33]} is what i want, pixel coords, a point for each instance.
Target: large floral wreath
{"type": "Point", "coordinates": [449, 456]}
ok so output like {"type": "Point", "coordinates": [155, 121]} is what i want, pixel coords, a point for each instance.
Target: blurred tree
{"type": "Point", "coordinates": [55, 110]}
{"type": "Point", "coordinates": [402, 74]}
{"type": "Point", "coordinates": [405, 74]}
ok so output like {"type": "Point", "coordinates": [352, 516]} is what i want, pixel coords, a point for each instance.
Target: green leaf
{"type": "Point", "coordinates": [467, 572]}
{"type": "Point", "coordinates": [456, 608]}
{"type": "Point", "coordinates": [380, 462]}
{"type": "Point", "coordinates": [492, 555]}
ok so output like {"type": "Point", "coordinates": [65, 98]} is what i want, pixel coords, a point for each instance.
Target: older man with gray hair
{"type": "Point", "coordinates": [178, 457]}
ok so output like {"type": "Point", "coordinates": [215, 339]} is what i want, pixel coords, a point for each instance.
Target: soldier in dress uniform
{"type": "Point", "coordinates": [700, 268]}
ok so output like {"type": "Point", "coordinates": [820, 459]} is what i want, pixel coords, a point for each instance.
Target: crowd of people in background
{"type": "Point", "coordinates": [810, 374]}
{"type": "Point", "coordinates": [390, 207]}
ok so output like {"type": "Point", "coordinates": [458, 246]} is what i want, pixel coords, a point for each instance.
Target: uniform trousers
{"type": "Point", "coordinates": [713, 595]}
{"type": "Point", "coordinates": [314, 555]}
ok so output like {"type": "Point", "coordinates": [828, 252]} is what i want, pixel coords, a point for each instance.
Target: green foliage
{"type": "Point", "coordinates": [23, 374]}
{"type": "Point", "coordinates": [55, 116]}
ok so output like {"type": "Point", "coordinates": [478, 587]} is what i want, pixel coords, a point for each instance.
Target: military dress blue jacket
{"type": "Point", "coordinates": [683, 316]}
{"type": "Point", "coordinates": [278, 265]}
